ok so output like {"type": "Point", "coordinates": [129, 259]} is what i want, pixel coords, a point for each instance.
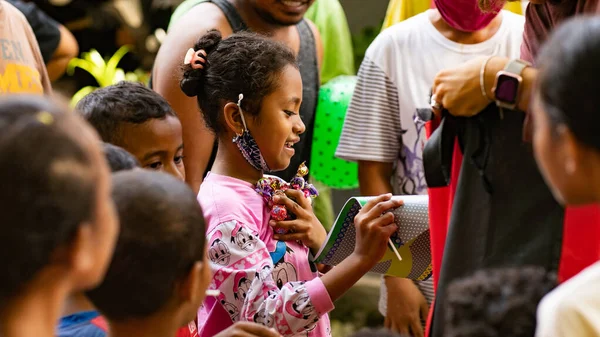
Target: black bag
{"type": "Point", "coordinates": [503, 212]}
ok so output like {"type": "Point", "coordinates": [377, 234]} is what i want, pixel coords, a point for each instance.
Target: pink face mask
{"type": "Point", "coordinates": [465, 15]}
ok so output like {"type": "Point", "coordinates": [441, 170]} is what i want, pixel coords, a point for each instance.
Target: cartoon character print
{"type": "Point", "coordinates": [411, 176]}
{"type": "Point", "coordinates": [244, 239]}
{"type": "Point", "coordinates": [264, 273]}
{"type": "Point", "coordinates": [219, 252]}
{"type": "Point", "coordinates": [283, 273]}
{"type": "Point", "coordinates": [232, 310]}
{"type": "Point", "coordinates": [303, 308]}
{"type": "Point", "coordinates": [272, 295]}
{"type": "Point", "coordinates": [264, 318]}
{"type": "Point", "coordinates": [240, 287]}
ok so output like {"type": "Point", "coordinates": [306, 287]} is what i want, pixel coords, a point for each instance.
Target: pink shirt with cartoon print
{"type": "Point", "coordinates": [261, 280]}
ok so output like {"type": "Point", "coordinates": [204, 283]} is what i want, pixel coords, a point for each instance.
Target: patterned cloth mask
{"type": "Point", "coordinates": [247, 145]}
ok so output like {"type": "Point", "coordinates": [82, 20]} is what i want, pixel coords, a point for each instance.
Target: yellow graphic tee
{"type": "Point", "coordinates": [22, 69]}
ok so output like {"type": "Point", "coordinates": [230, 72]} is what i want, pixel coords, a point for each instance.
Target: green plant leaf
{"type": "Point", "coordinates": [132, 77]}
{"type": "Point", "coordinates": [97, 59]}
{"type": "Point", "coordinates": [81, 93]}
{"type": "Point", "coordinates": [119, 76]}
{"type": "Point", "coordinates": [80, 63]}
{"type": "Point", "coordinates": [111, 66]}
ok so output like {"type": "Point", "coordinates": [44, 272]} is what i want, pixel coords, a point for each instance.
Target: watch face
{"type": "Point", "coordinates": [506, 89]}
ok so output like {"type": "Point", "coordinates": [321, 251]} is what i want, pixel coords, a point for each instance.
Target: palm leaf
{"type": "Point", "coordinates": [94, 56]}
{"type": "Point", "coordinates": [111, 67]}
{"type": "Point", "coordinates": [81, 93]}
{"type": "Point", "coordinates": [83, 64]}
{"type": "Point", "coordinates": [118, 76]}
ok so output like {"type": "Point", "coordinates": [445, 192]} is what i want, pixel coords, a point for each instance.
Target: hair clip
{"type": "Point", "coordinates": [195, 58]}
{"type": "Point", "coordinates": [44, 117]}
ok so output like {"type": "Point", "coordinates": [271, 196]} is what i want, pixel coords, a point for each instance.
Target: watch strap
{"type": "Point", "coordinates": [516, 66]}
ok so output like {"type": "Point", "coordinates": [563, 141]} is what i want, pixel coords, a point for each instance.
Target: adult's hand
{"type": "Point", "coordinates": [406, 306]}
{"type": "Point", "coordinates": [458, 89]}
{"type": "Point", "coordinates": [248, 329]}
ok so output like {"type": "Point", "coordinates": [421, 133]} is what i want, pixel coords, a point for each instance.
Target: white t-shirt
{"type": "Point", "coordinates": [572, 309]}
{"type": "Point", "coordinates": [394, 80]}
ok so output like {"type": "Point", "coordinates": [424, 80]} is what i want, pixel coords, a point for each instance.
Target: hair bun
{"type": "Point", "coordinates": [193, 79]}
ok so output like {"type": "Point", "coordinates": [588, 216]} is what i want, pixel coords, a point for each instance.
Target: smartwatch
{"type": "Point", "coordinates": [508, 82]}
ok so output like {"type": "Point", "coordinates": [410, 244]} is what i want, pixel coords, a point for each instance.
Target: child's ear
{"type": "Point", "coordinates": [573, 153]}
{"type": "Point", "coordinates": [233, 119]}
{"type": "Point", "coordinates": [79, 256]}
{"type": "Point", "coordinates": [194, 285]}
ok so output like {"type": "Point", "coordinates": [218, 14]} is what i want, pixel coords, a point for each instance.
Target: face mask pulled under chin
{"type": "Point", "coordinates": [250, 151]}
{"type": "Point", "coordinates": [465, 15]}
{"type": "Point", "coordinates": [248, 146]}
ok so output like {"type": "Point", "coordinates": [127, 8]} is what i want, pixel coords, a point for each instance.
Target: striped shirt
{"type": "Point", "coordinates": [394, 81]}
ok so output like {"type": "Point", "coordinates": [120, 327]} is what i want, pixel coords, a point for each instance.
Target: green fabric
{"type": "Point", "coordinates": [330, 19]}
{"type": "Point", "coordinates": [334, 99]}
{"type": "Point", "coordinates": [183, 8]}
{"type": "Point", "coordinates": [323, 206]}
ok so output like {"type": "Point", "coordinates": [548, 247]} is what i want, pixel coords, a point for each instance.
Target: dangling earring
{"type": "Point", "coordinates": [247, 145]}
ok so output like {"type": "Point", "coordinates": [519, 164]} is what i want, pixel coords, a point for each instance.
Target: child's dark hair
{"type": "Point", "coordinates": [162, 236]}
{"type": "Point", "coordinates": [48, 186]}
{"type": "Point", "coordinates": [568, 78]}
{"type": "Point", "coordinates": [106, 109]}
{"type": "Point", "coordinates": [243, 63]}
{"type": "Point", "coordinates": [497, 302]}
{"type": "Point", "coordinates": [368, 332]}
{"type": "Point", "coordinates": [119, 159]}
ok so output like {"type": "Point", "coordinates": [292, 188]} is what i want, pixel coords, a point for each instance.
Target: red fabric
{"type": "Point", "coordinates": [540, 21]}
{"type": "Point", "coordinates": [440, 207]}
{"type": "Point", "coordinates": [188, 331]}
{"type": "Point", "coordinates": [581, 240]}
{"type": "Point", "coordinates": [100, 323]}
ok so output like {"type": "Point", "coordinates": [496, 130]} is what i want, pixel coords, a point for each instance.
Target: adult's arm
{"type": "Point", "coordinates": [374, 178]}
{"type": "Point", "coordinates": [67, 49]}
{"type": "Point", "coordinates": [198, 139]}
{"type": "Point", "coordinates": [459, 89]}
{"type": "Point", "coordinates": [318, 43]}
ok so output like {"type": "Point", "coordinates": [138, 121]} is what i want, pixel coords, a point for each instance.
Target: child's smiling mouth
{"type": "Point", "coordinates": [289, 146]}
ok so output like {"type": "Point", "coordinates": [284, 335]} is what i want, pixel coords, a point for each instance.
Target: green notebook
{"type": "Point", "coordinates": [412, 239]}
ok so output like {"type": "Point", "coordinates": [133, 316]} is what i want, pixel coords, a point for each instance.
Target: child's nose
{"type": "Point", "coordinates": [299, 127]}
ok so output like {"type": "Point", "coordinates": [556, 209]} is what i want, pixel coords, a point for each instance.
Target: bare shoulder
{"type": "Point", "coordinates": [183, 35]}
{"type": "Point", "coordinates": [318, 41]}
{"type": "Point", "coordinates": [314, 29]}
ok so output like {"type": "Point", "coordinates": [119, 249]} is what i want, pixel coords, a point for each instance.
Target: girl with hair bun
{"type": "Point", "coordinates": [249, 91]}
